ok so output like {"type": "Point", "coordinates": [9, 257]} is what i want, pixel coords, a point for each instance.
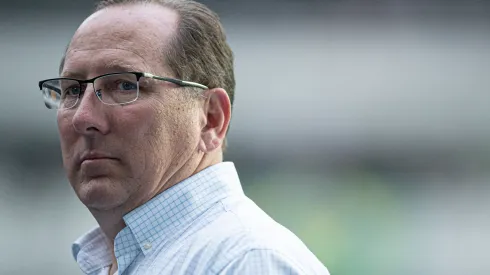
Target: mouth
{"type": "Point", "coordinates": [95, 157]}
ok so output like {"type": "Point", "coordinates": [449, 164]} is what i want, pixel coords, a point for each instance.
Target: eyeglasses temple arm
{"type": "Point", "coordinates": [177, 81]}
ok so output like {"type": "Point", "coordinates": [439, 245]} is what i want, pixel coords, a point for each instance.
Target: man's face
{"type": "Point", "coordinates": [120, 156]}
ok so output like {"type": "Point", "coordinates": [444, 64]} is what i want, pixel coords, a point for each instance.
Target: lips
{"type": "Point", "coordinates": [93, 155]}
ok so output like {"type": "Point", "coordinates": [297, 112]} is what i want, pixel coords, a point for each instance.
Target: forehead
{"type": "Point", "coordinates": [128, 36]}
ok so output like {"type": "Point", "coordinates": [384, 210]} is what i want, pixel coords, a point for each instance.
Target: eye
{"type": "Point", "coordinates": [72, 91]}
{"type": "Point", "coordinates": [126, 86]}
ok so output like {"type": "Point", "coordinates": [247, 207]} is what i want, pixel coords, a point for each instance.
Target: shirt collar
{"type": "Point", "coordinates": [168, 214]}
{"type": "Point", "coordinates": [92, 251]}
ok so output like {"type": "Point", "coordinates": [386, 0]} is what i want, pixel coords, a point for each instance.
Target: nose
{"type": "Point", "coordinates": [90, 116]}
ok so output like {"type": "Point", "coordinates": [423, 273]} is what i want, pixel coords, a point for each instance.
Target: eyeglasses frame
{"type": "Point", "coordinates": [138, 75]}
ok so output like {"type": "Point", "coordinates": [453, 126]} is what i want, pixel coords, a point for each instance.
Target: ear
{"type": "Point", "coordinates": [216, 114]}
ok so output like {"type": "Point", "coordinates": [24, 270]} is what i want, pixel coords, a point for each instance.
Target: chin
{"type": "Point", "coordinates": [101, 193]}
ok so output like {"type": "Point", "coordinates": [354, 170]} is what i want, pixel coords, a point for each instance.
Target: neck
{"type": "Point", "coordinates": [111, 221]}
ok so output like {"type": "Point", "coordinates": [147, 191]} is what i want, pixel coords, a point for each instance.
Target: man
{"type": "Point", "coordinates": [144, 103]}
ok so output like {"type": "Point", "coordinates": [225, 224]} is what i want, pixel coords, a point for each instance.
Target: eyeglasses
{"type": "Point", "coordinates": [110, 89]}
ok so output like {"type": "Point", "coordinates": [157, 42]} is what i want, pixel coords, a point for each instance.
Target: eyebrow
{"type": "Point", "coordinates": [115, 66]}
{"type": "Point", "coordinates": [69, 74]}
{"type": "Point", "coordinates": [119, 66]}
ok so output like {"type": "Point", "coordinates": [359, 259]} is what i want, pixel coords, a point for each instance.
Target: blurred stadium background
{"type": "Point", "coordinates": [363, 126]}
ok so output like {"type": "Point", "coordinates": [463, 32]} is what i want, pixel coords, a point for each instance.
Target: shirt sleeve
{"type": "Point", "coordinates": [262, 261]}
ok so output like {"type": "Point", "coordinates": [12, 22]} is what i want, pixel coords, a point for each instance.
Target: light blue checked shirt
{"type": "Point", "coordinates": [203, 225]}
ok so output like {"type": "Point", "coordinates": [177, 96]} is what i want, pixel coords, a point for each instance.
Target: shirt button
{"type": "Point", "coordinates": [147, 246]}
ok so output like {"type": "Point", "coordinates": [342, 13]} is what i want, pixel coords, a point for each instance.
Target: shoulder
{"type": "Point", "coordinates": [245, 240]}
{"type": "Point", "coordinates": [270, 261]}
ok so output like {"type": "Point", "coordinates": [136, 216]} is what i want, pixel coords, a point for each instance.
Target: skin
{"type": "Point", "coordinates": [145, 147]}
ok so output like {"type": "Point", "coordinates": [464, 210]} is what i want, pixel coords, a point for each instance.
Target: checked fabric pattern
{"type": "Point", "coordinates": [202, 225]}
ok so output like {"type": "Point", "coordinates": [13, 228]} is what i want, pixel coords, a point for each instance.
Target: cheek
{"type": "Point", "coordinates": [67, 135]}
{"type": "Point", "coordinates": [68, 138]}
{"type": "Point", "coordinates": [139, 138]}
{"type": "Point", "coordinates": [172, 129]}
